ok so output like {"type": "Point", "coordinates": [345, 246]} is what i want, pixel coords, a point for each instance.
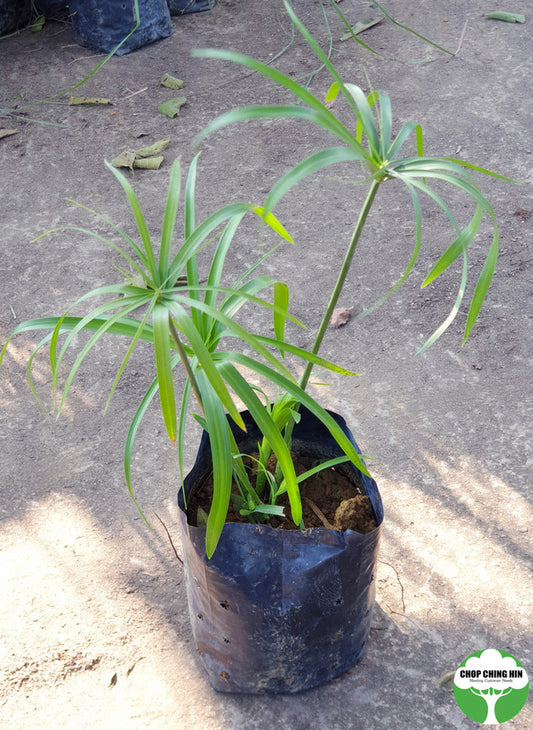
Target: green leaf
{"type": "Point", "coordinates": [333, 92]}
{"type": "Point", "coordinates": [281, 301]}
{"type": "Point", "coordinates": [483, 283]}
{"type": "Point", "coordinates": [455, 309]}
{"type": "Point", "coordinates": [106, 324]}
{"type": "Point", "coordinates": [367, 119]}
{"type": "Point", "coordinates": [209, 323]}
{"type": "Point", "coordinates": [139, 219]}
{"type": "Point", "coordinates": [133, 264]}
{"type": "Point", "coordinates": [329, 464]}
{"type": "Point", "coordinates": [321, 116]}
{"type": "Point", "coordinates": [233, 327]}
{"type": "Point", "coordinates": [312, 164]}
{"type": "Point", "coordinates": [265, 509]}
{"type": "Point", "coordinates": [400, 139]}
{"type": "Point", "coordinates": [219, 438]}
{"type": "Point", "coordinates": [414, 256]}
{"type": "Point", "coordinates": [458, 247]}
{"type": "Point", "coordinates": [125, 326]}
{"type": "Point", "coordinates": [128, 299]}
{"type": "Point", "coordinates": [506, 17]}
{"type": "Point", "coordinates": [319, 53]}
{"type": "Point", "coordinates": [38, 24]}
{"type": "Point", "coordinates": [169, 219]}
{"type": "Point", "coordinates": [293, 86]}
{"type": "Point", "coordinates": [164, 370]}
{"type": "Point", "coordinates": [271, 221]}
{"type": "Point", "coordinates": [197, 238]}
{"type": "Point", "coordinates": [269, 429]}
{"type": "Point", "coordinates": [484, 171]}
{"type": "Point", "coordinates": [182, 423]}
{"type": "Point", "coordinates": [304, 355]}
{"type": "Point", "coordinates": [205, 360]}
{"type": "Point", "coordinates": [292, 388]}
{"type": "Point", "coordinates": [132, 345]}
{"type": "Point", "coordinates": [130, 438]}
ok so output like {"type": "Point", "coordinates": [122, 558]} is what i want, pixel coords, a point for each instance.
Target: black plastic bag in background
{"type": "Point", "coordinates": [181, 7]}
{"type": "Point", "coordinates": [102, 24]}
{"type": "Point", "coordinates": [14, 14]}
{"type": "Point", "coordinates": [52, 9]}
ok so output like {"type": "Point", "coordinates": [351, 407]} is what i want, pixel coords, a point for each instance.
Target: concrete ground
{"type": "Point", "coordinates": [95, 630]}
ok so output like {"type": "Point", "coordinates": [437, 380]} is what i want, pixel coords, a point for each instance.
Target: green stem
{"type": "Point", "coordinates": [365, 210]}
{"type": "Point", "coordinates": [341, 278]}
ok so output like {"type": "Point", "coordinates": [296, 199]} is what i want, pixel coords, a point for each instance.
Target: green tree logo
{"type": "Point", "coordinates": [491, 686]}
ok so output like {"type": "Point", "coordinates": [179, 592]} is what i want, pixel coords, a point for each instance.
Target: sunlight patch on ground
{"type": "Point", "coordinates": [81, 645]}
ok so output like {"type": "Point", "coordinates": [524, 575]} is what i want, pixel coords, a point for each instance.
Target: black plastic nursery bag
{"type": "Point", "coordinates": [280, 610]}
{"type": "Point", "coordinates": [181, 7]}
{"type": "Point", "coordinates": [52, 9]}
{"type": "Point", "coordinates": [102, 24]}
{"type": "Point", "coordinates": [14, 14]}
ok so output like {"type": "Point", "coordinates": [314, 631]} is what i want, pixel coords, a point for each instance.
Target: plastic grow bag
{"type": "Point", "coordinates": [181, 7]}
{"type": "Point", "coordinates": [280, 611]}
{"type": "Point", "coordinates": [52, 9]}
{"type": "Point", "coordinates": [102, 24]}
{"type": "Point", "coordinates": [14, 14]}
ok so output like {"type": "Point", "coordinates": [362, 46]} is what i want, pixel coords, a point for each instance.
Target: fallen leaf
{"type": "Point", "coordinates": [446, 681]}
{"type": "Point", "coordinates": [506, 17]}
{"type": "Point", "coordinates": [154, 149]}
{"type": "Point", "coordinates": [148, 163]}
{"type": "Point", "coordinates": [78, 100]}
{"type": "Point", "coordinates": [38, 24]}
{"type": "Point", "coordinates": [171, 82]}
{"type": "Point", "coordinates": [171, 108]}
{"type": "Point", "coordinates": [360, 26]}
{"type": "Point", "coordinates": [341, 316]}
{"type": "Point", "coordinates": [125, 159]}
{"type": "Point", "coordinates": [7, 132]}
{"type": "Point", "coordinates": [146, 158]}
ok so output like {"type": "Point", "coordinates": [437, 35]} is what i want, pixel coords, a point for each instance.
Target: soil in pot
{"type": "Point", "coordinates": [330, 499]}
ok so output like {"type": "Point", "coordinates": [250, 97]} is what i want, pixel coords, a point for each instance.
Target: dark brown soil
{"type": "Point", "coordinates": [330, 499]}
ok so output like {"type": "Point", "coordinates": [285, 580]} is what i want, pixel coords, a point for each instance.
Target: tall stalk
{"type": "Point", "coordinates": [334, 298]}
{"type": "Point", "coordinates": [343, 273]}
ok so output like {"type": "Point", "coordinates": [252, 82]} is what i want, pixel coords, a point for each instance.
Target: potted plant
{"type": "Point", "coordinates": [272, 609]}
{"type": "Point", "coordinates": [162, 299]}
{"type": "Point", "coordinates": [377, 154]}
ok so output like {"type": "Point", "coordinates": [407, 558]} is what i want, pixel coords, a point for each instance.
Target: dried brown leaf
{"type": "Point", "coordinates": [341, 316]}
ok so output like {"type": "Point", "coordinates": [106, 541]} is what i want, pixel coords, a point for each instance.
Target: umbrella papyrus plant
{"type": "Point", "coordinates": [191, 321]}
